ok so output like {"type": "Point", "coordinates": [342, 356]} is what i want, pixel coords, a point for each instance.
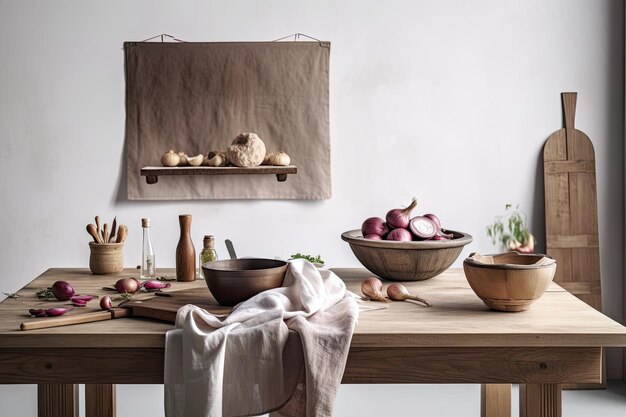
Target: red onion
{"type": "Point", "coordinates": [57, 311]}
{"type": "Point", "coordinates": [79, 303]}
{"type": "Point", "coordinates": [37, 312]}
{"type": "Point", "coordinates": [399, 218]}
{"type": "Point", "coordinates": [62, 290]}
{"type": "Point", "coordinates": [153, 284]}
{"type": "Point", "coordinates": [423, 227]}
{"type": "Point", "coordinates": [373, 237]}
{"type": "Point", "coordinates": [435, 219]}
{"type": "Point", "coordinates": [402, 235]}
{"type": "Point", "coordinates": [106, 303]}
{"type": "Point", "coordinates": [374, 226]}
{"type": "Point", "coordinates": [127, 285]}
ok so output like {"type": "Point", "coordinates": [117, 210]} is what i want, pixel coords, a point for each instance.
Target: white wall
{"type": "Point", "coordinates": [449, 101]}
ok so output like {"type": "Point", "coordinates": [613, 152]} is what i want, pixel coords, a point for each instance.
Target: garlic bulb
{"type": "Point", "coordinates": [183, 159]}
{"type": "Point", "coordinates": [216, 159]}
{"type": "Point", "coordinates": [195, 161]}
{"type": "Point", "coordinates": [266, 159]}
{"type": "Point", "coordinates": [280, 159]}
{"type": "Point", "coordinates": [170, 159]}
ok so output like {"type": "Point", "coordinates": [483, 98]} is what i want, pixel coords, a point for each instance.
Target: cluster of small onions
{"type": "Point", "coordinates": [399, 226]}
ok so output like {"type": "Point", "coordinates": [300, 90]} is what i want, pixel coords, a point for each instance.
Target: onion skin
{"type": "Point", "coordinates": [400, 235]}
{"type": "Point", "coordinates": [372, 288]}
{"type": "Point", "coordinates": [373, 237]}
{"type": "Point", "coordinates": [374, 226]}
{"type": "Point", "coordinates": [399, 218]}
{"type": "Point", "coordinates": [106, 303]}
{"type": "Point", "coordinates": [62, 290]}
{"type": "Point", "coordinates": [127, 285]}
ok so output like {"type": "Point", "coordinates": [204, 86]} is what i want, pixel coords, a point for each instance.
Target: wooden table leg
{"type": "Point", "coordinates": [57, 400]}
{"type": "Point", "coordinates": [540, 400]}
{"type": "Point", "coordinates": [99, 400]}
{"type": "Point", "coordinates": [495, 400]}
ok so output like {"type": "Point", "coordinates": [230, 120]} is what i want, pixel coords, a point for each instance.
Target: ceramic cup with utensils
{"type": "Point", "coordinates": [106, 258]}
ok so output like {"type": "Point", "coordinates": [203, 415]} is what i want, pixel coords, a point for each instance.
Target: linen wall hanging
{"type": "Point", "coordinates": [197, 97]}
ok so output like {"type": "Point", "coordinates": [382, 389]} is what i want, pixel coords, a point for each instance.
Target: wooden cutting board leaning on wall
{"type": "Point", "coordinates": [571, 210]}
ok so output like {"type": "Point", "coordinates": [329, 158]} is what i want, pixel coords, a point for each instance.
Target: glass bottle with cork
{"type": "Point", "coordinates": [148, 267]}
{"type": "Point", "coordinates": [208, 252]}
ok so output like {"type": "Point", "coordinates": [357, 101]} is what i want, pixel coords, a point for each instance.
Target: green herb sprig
{"type": "Point", "coordinates": [313, 259]}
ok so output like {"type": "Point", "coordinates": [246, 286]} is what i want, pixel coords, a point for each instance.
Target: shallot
{"type": "Point", "coordinates": [423, 227]}
{"type": "Point", "coordinates": [57, 311]}
{"type": "Point", "coordinates": [399, 218]}
{"type": "Point", "coordinates": [374, 226]}
{"type": "Point", "coordinates": [37, 312]}
{"type": "Point", "coordinates": [83, 298]}
{"type": "Point", "coordinates": [127, 285]}
{"type": "Point", "coordinates": [373, 237]}
{"type": "Point", "coordinates": [62, 290]}
{"type": "Point", "coordinates": [153, 284]}
{"type": "Point", "coordinates": [402, 235]}
{"type": "Point", "coordinates": [398, 292]}
{"type": "Point", "coordinates": [372, 288]}
{"type": "Point", "coordinates": [106, 303]}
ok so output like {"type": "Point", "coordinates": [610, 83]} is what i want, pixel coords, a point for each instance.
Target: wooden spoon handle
{"type": "Point", "coordinates": [113, 230]}
{"type": "Point", "coordinates": [98, 226]}
{"type": "Point", "coordinates": [93, 231]}
{"type": "Point", "coordinates": [106, 233]}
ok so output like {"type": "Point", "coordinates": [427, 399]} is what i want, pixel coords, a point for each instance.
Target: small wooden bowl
{"type": "Point", "coordinates": [509, 281]}
{"type": "Point", "coordinates": [406, 261]}
{"type": "Point", "coordinates": [106, 258]}
{"type": "Point", "coordinates": [232, 281]}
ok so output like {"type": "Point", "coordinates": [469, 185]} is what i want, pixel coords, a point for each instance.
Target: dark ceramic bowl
{"type": "Point", "coordinates": [232, 281]}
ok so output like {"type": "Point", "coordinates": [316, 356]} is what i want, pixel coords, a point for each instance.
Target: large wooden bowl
{"type": "Point", "coordinates": [232, 281]}
{"type": "Point", "coordinates": [509, 281]}
{"type": "Point", "coordinates": [406, 261]}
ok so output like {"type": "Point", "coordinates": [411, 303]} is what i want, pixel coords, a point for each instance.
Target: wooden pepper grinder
{"type": "Point", "coordinates": [185, 252]}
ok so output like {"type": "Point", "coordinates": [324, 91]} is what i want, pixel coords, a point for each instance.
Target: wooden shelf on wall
{"type": "Point", "coordinates": [152, 174]}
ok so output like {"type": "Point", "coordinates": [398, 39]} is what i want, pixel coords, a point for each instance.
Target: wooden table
{"type": "Point", "coordinates": [559, 340]}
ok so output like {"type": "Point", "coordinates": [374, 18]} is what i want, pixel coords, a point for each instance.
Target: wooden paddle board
{"type": "Point", "coordinates": [571, 209]}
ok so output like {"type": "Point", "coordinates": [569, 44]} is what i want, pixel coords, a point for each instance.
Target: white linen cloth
{"type": "Point", "coordinates": [283, 350]}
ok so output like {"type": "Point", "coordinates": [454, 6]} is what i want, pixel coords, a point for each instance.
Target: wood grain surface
{"type": "Point", "coordinates": [495, 400]}
{"type": "Point", "coordinates": [571, 208]}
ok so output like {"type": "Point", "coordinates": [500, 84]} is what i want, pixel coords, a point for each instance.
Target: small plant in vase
{"type": "Point", "coordinates": [511, 232]}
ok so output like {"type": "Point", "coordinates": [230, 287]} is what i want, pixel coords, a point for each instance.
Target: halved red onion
{"type": "Point", "coordinates": [423, 227]}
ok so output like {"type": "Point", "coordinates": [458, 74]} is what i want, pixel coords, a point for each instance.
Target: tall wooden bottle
{"type": "Point", "coordinates": [185, 252]}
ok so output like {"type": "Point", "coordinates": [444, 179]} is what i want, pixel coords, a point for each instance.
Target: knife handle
{"type": "Point", "coordinates": [48, 322]}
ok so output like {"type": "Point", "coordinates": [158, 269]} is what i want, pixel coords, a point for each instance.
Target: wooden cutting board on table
{"type": "Point", "coordinates": [571, 210]}
{"type": "Point", "coordinates": [163, 306]}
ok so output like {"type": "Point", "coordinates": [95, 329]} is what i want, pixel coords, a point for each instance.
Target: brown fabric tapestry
{"type": "Point", "coordinates": [197, 97]}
